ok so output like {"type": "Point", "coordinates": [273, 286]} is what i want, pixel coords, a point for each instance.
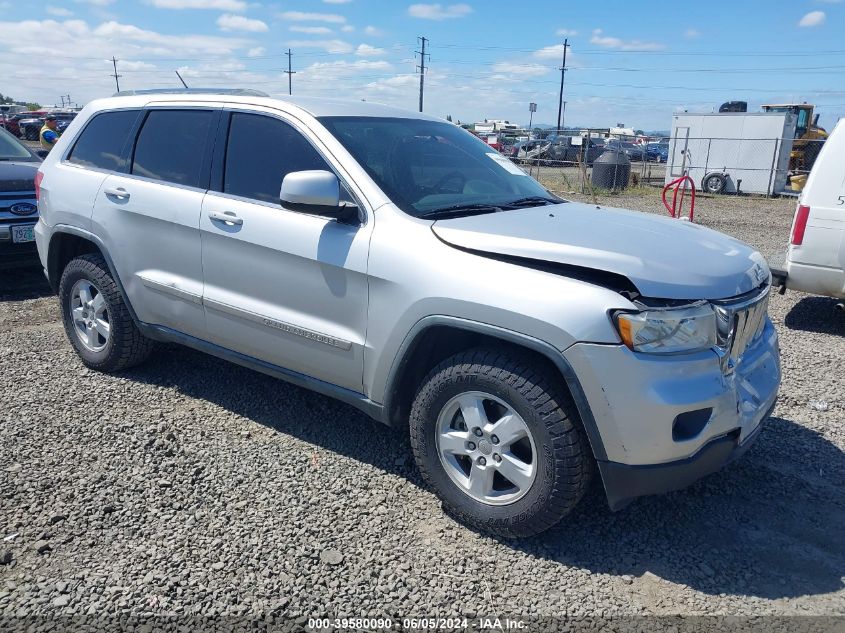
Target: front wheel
{"type": "Point", "coordinates": [500, 442]}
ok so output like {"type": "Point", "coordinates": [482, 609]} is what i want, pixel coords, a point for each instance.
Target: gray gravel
{"type": "Point", "coordinates": [192, 486]}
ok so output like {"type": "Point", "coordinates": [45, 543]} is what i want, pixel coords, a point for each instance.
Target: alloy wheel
{"type": "Point", "coordinates": [486, 448]}
{"type": "Point", "coordinates": [90, 315]}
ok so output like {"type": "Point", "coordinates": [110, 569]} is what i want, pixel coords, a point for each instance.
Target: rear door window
{"type": "Point", "coordinates": [102, 141]}
{"type": "Point", "coordinates": [172, 146]}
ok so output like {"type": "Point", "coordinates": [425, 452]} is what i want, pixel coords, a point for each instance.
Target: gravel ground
{"type": "Point", "coordinates": [192, 486]}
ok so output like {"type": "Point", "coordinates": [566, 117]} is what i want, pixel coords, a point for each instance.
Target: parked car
{"type": "Point", "coordinates": [13, 122]}
{"type": "Point", "coordinates": [63, 119]}
{"type": "Point", "coordinates": [388, 259]}
{"type": "Point", "coordinates": [633, 151]}
{"type": "Point", "coordinates": [533, 151]}
{"type": "Point", "coordinates": [31, 126]}
{"type": "Point", "coordinates": [567, 149]}
{"type": "Point", "coordinates": [657, 152]}
{"type": "Point", "coordinates": [815, 259]}
{"type": "Point", "coordinates": [18, 211]}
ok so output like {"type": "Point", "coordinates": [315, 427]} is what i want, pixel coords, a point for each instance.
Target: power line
{"type": "Point", "coordinates": [422, 55]}
{"type": "Point", "coordinates": [289, 72]}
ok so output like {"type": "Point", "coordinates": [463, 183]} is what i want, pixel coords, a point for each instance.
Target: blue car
{"type": "Point", "coordinates": [657, 152]}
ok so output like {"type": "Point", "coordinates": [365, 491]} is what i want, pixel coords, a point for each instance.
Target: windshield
{"type": "Point", "coordinates": [11, 149]}
{"type": "Point", "coordinates": [430, 166]}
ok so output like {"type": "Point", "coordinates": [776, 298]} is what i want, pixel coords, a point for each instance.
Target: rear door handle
{"type": "Point", "coordinates": [227, 217]}
{"type": "Point", "coordinates": [119, 193]}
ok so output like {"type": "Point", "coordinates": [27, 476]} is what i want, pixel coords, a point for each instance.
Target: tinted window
{"type": "Point", "coordinates": [101, 142]}
{"type": "Point", "coordinates": [171, 146]}
{"type": "Point", "coordinates": [261, 152]}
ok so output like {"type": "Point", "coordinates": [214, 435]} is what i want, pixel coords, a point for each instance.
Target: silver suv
{"type": "Point", "coordinates": [393, 261]}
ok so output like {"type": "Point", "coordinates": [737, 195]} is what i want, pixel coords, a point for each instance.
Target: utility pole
{"type": "Point", "coordinates": [422, 55]}
{"type": "Point", "coordinates": [562, 76]}
{"type": "Point", "coordinates": [290, 73]}
{"type": "Point", "coordinates": [116, 76]}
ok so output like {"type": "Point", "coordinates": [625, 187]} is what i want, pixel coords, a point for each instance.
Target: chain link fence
{"type": "Point", "coordinates": [724, 166]}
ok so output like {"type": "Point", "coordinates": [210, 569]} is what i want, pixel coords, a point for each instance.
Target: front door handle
{"type": "Point", "coordinates": [120, 193]}
{"type": "Point", "coordinates": [227, 217]}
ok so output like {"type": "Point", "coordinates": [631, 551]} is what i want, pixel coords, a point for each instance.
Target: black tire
{"type": "Point", "coordinates": [564, 460]}
{"type": "Point", "coordinates": [126, 346]}
{"type": "Point", "coordinates": [714, 182]}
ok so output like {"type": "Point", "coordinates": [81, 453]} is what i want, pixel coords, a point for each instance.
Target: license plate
{"type": "Point", "coordinates": [23, 233]}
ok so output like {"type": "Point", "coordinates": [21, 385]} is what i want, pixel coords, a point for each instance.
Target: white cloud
{"type": "Point", "coordinates": [258, 51]}
{"type": "Point", "coordinates": [625, 45]}
{"type": "Point", "coordinates": [347, 28]}
{"type": "Point", "coordinates": [78, 51]}
{"type": "Point", "coordinates": [219, 5]}
{"type": "Point", "coordinates": [312, 30]}
{"type": "Point", "coordinates": [303, 16]}
{"type": "Point", "coordinates": [439, 11]}
{"type": "Point", "coordinates": [692, 34]}
{"type": "Point", "coordinates": [566, 33]}
{"type": "Point", "coordinates": [330, 46]}
{"type": "Point", "coordinates": [813, 18]}
{"type": "Point", "coordinates": [373, 31]}
{"type": "Point", "coordinates": [131, 65]}
{"type": "Point", "coordinates": [525, 70]}
{"type": "Point", "coordinates": [229, 22]}
{"type": "Point", "coordinates": [365, 50]}
{"type": "Point", "coordinates": [97, 3]}
{"type": "Point", "coordinates": [550, 52]}
{"type": "Point", "coordinates": [322, 74]}
{"type": "Point", "coordinates": [160, 44]}
{"type": "Point", "coordinates": [59, 12]}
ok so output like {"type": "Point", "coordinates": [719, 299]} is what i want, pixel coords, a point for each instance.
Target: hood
{"type": "Point", "coordinates": [663, 257]}
{"type": "Point", "coordinates": [18, 175]}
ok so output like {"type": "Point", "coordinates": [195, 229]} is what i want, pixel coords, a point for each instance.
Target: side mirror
{"type": "Point", "coordinates": [316, 191]}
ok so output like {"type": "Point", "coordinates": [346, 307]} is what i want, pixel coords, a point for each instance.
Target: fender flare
{"type": "Point", "coordinates": [400, 362]}
{"type": "Point", "coordinates": [87, 235]}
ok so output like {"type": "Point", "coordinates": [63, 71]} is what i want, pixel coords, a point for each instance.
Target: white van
{"type": "Point", "coordinates": [815, 261]}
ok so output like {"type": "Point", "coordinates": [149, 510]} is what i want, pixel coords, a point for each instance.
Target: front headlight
{"type": "Point", "coordinates": [668, 330]}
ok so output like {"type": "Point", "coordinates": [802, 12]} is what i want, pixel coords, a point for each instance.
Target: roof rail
{"type": "Point", "coordinates": [243, 92]}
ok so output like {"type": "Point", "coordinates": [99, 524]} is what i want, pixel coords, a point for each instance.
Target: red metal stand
{"type": "Point", "coordinates": [677, 206]}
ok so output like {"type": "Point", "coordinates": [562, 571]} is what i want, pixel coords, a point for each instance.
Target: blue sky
{"type": "Point", "coordinates": [630, 62]}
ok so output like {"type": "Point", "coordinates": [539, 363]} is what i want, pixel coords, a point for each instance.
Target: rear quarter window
{"type": "Point", "coordinates": [101, 143]}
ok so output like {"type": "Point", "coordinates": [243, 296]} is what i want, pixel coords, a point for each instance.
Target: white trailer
{"type": "Point", "coordinates": [725, 151]}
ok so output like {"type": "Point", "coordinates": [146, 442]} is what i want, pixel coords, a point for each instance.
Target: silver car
{"type": "Point", "coordinates": [392, 260]}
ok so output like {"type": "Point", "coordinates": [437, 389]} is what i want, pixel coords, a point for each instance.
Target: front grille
{"type": "Point", "coordinates": [741, 322]}
{"type": "Point", "coordinates": [7, 200]}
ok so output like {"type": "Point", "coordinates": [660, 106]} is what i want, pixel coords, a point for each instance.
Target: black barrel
{"type": "Point", "coordinates": [611, 170]}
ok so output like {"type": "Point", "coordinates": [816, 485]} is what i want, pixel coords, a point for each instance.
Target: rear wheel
{"type": "Point", "coordinates": [96, 319]}
{"type": "Point", "coordinates": [500, 443]}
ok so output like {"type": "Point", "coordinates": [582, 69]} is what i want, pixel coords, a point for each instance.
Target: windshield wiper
{"type": "Point", "coordinates": [458, 210]}
{"type": "Point", "coordinates": [532, 201]}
